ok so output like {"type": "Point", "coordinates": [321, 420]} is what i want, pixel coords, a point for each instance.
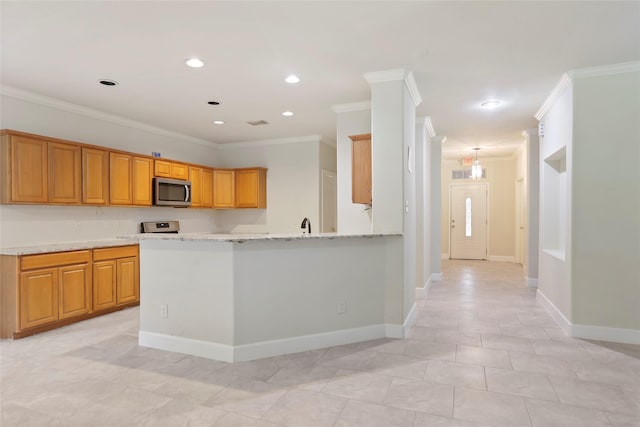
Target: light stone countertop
{"type": "Point", "coordinates": [202, 236]}
{"type": "Point", "coordinates": [67, 246]}
{"type": "Point", "coordinates": [240, 238]}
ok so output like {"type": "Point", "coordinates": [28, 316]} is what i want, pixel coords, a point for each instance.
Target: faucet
{"type": "Point", "coordinates": [306, 223]}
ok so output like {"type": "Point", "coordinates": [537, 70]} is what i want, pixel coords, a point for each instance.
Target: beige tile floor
{"type": "Point", "coordinates": [482, 352]}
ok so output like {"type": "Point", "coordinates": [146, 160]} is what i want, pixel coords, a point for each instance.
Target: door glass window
{"type": "Point", "coordinates": [467, 216]}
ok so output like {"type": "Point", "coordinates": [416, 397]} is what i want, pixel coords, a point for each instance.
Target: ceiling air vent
{"type": "Point", "coordinates": [258, 122]}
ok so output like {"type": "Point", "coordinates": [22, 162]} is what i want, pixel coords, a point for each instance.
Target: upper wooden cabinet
{"type": "Point", "coordinates": [65, 173]}
{"type": "Point", "coordinates": [361, 169]}
{"type": "Point", "coordinates": [201, 187]}
{"type": "Point", "coordinates": [130, 179]}
{"type": "Point", "coordinates": [120, 179]}
{"type": "Point", "coordinates": [207, 189]}
{"type": "Point", "coordinates": [251, 188]}
{"type": "Point", "coordinates": [95, 176]}
{"type": "Point", "coordinates": [41, 170]}
{"type": "Point", "coordinates": [169, 169]}
{"type": "Point", "coordinates": [224, 188]}
{"type": "Point", "coordinates": [142, 178]}
{"type": "Point", "coordinates": [24, 164]}
{"type": "Point", "coordinates": [35, 170]}
{"type": "Point", "coordinates": [195, 176]}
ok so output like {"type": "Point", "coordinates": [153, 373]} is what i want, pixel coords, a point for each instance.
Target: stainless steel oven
{"type": "Point", "coordinates": [171, 192]}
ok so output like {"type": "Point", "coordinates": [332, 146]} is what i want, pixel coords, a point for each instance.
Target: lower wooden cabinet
{"type": "Point", "coordinates": [116, 279]}
{"type": "Point", "coordinates": [38, 297]}
{"type": "Point", "coordinates": [74, 290]}
{"type": "Point", "coordinates": [44, 291]}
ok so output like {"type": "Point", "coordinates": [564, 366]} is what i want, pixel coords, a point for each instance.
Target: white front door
{"type": "Point", "coordinates": [468, 221]}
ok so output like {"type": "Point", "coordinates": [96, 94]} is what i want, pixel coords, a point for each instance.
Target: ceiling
{"type": "Point", "coordinates": [461, 53]}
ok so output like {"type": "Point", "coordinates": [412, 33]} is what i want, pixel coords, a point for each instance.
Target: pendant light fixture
{"type": "Point", "coordinates": [476, 168]}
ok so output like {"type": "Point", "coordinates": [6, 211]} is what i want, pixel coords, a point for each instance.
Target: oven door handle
{"type": "Point", "coordinates": [186, 197]}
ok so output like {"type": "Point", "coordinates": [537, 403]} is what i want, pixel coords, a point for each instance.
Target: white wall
{"type": "Point", "coordinates": [501, 178]}
{"type": "Point", "coordinates": [435, 174]}
{"type": "Point", "coordinates": [605, 237]}
{"type": "Point", "coordinates": [410, 229]}
{"type": "Point", "coordinates": [554, 270]}
{"type": "Point", "coordinates": [423, 203]}
{"type": "Point", "coordinates": [387, 156]}
{"type": "Point", "coordinates": [293, 187]}
{"type": "Point", "coordinates": [23, 225]}
{"type": "Point", "coordinates": [352, 218]}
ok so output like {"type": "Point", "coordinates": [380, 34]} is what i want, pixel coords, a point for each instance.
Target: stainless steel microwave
{"type": "Point", "coordinates": [171, 192]}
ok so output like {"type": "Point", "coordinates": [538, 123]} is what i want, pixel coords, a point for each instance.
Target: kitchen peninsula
{"type": "Point", "coordinates": [244, 297]}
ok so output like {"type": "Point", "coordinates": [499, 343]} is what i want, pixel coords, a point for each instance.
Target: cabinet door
{"type": "Point", "coordinates": [74, 290]}
{"type": "Point", "coordinates": [38, 297]}
{"type": "Point", "coordinates": [28, 170]}
{"type": "Point", "coordinates": [179, 171]}
{"type": "Point", "coordinates": [65, 173]}
{"type": "Point", "coordinates": [206, 195]}
{"type": "Point", "coordinates": [127, 284]}
{"type": "Point", "coordinates": [162, 168]}
{"type": "Point", "coordinates": [142, 176]}
{"type": "Point", "coordinates": [95, 176]}
{"type": "Point", "coordinates": [251, 189]}
{"type": "Point", "coordinates": [223, 188]}
{"type": "Point", "coordinates": [104, 284]}
{"type": "Point", "coordinates": [361, 169]}
{"type": "Point", "coordinates": [195, 176]}
{"type": "Point", "coordinates": [120, 179]}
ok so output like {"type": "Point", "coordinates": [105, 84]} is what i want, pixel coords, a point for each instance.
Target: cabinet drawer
{"type": "Point", "coordinates": [113, 253]}
{"type": "Point", "coordinates": [55, 259]}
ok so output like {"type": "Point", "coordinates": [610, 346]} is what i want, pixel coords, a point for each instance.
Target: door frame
{"type": "Point", "coordinates": [520, 223]}
{"type": "Point", "coordinates": [486, 237]}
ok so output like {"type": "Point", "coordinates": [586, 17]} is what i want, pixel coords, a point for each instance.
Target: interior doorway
{"type": "Point", "coordinates": [328, 202]}
{"type": "Point", "coordinates": [468, 221]}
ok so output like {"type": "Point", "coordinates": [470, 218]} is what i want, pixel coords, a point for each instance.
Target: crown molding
{"type": "Point", "coordinates": [394, 75]}
{"type": "Point", "coordinates": [557, 91]}
{"type": "Point", "coordinates": [352, 106]}
{"type": "Point", "coordinates": [426, 123]}
{"type": "Point", "coordinates": [604, 70]}
{"type": "Point", "coordinates": [275, 141]}
{"type": "Point", "coordinates": [439, 139]}
{"type": "Point", "coordinates": [386, 75]}
{"type": "Point", "coordinates": [412, 86]}
{"type": "Point", "coordinates": [583, 73]}
{"type": "Point", "coordinates": [97, 114]}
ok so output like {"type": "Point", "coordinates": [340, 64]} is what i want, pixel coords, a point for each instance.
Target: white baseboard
{"type": "Point", "coordinates": [272, 348]}
{"type": "Point", "coordinates": [589, 332]}
{"type": "Point", "coordinates": [259, 350]}
{"type": "Point", "coordinates": [602, 333]}
{"type": "Point", "coordinates": [436, 277]}
{"type": "Point", "coordinates": [532, 282]}
{"type": "Point", "coordinates": [501, 258]}
{"type": "Point", "coordinates": [557, 315]}
{"type": "Point", "coordinates": [445, 256]}
{"type": "Point", "coordinates": [206, 349]}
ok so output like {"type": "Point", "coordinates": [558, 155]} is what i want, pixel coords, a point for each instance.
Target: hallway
{"type": "Point", "coordinates": [481, 353]}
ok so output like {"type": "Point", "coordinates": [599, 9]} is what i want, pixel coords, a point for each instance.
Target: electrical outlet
{"type": "Point", "coordinates": [164, 311]}
{"type": "Point", "coordinates": [342, 307]}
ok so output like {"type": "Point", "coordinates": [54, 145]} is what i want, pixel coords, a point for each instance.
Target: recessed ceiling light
{"type": "Point", "coordinates": [108, 82]}
{"type": "Point", "coordinates": [288, 113]}
{"type": "Point", "coordinates": [292, 79]}
{"type": "Point", "coordinates": [213, 103]}
{"type": "Point", "coordinates": [194, 63]}
{"type": "Point", "coordinates": [218, 122]}
{"type": "Point", "coordinates": [491, 104]}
